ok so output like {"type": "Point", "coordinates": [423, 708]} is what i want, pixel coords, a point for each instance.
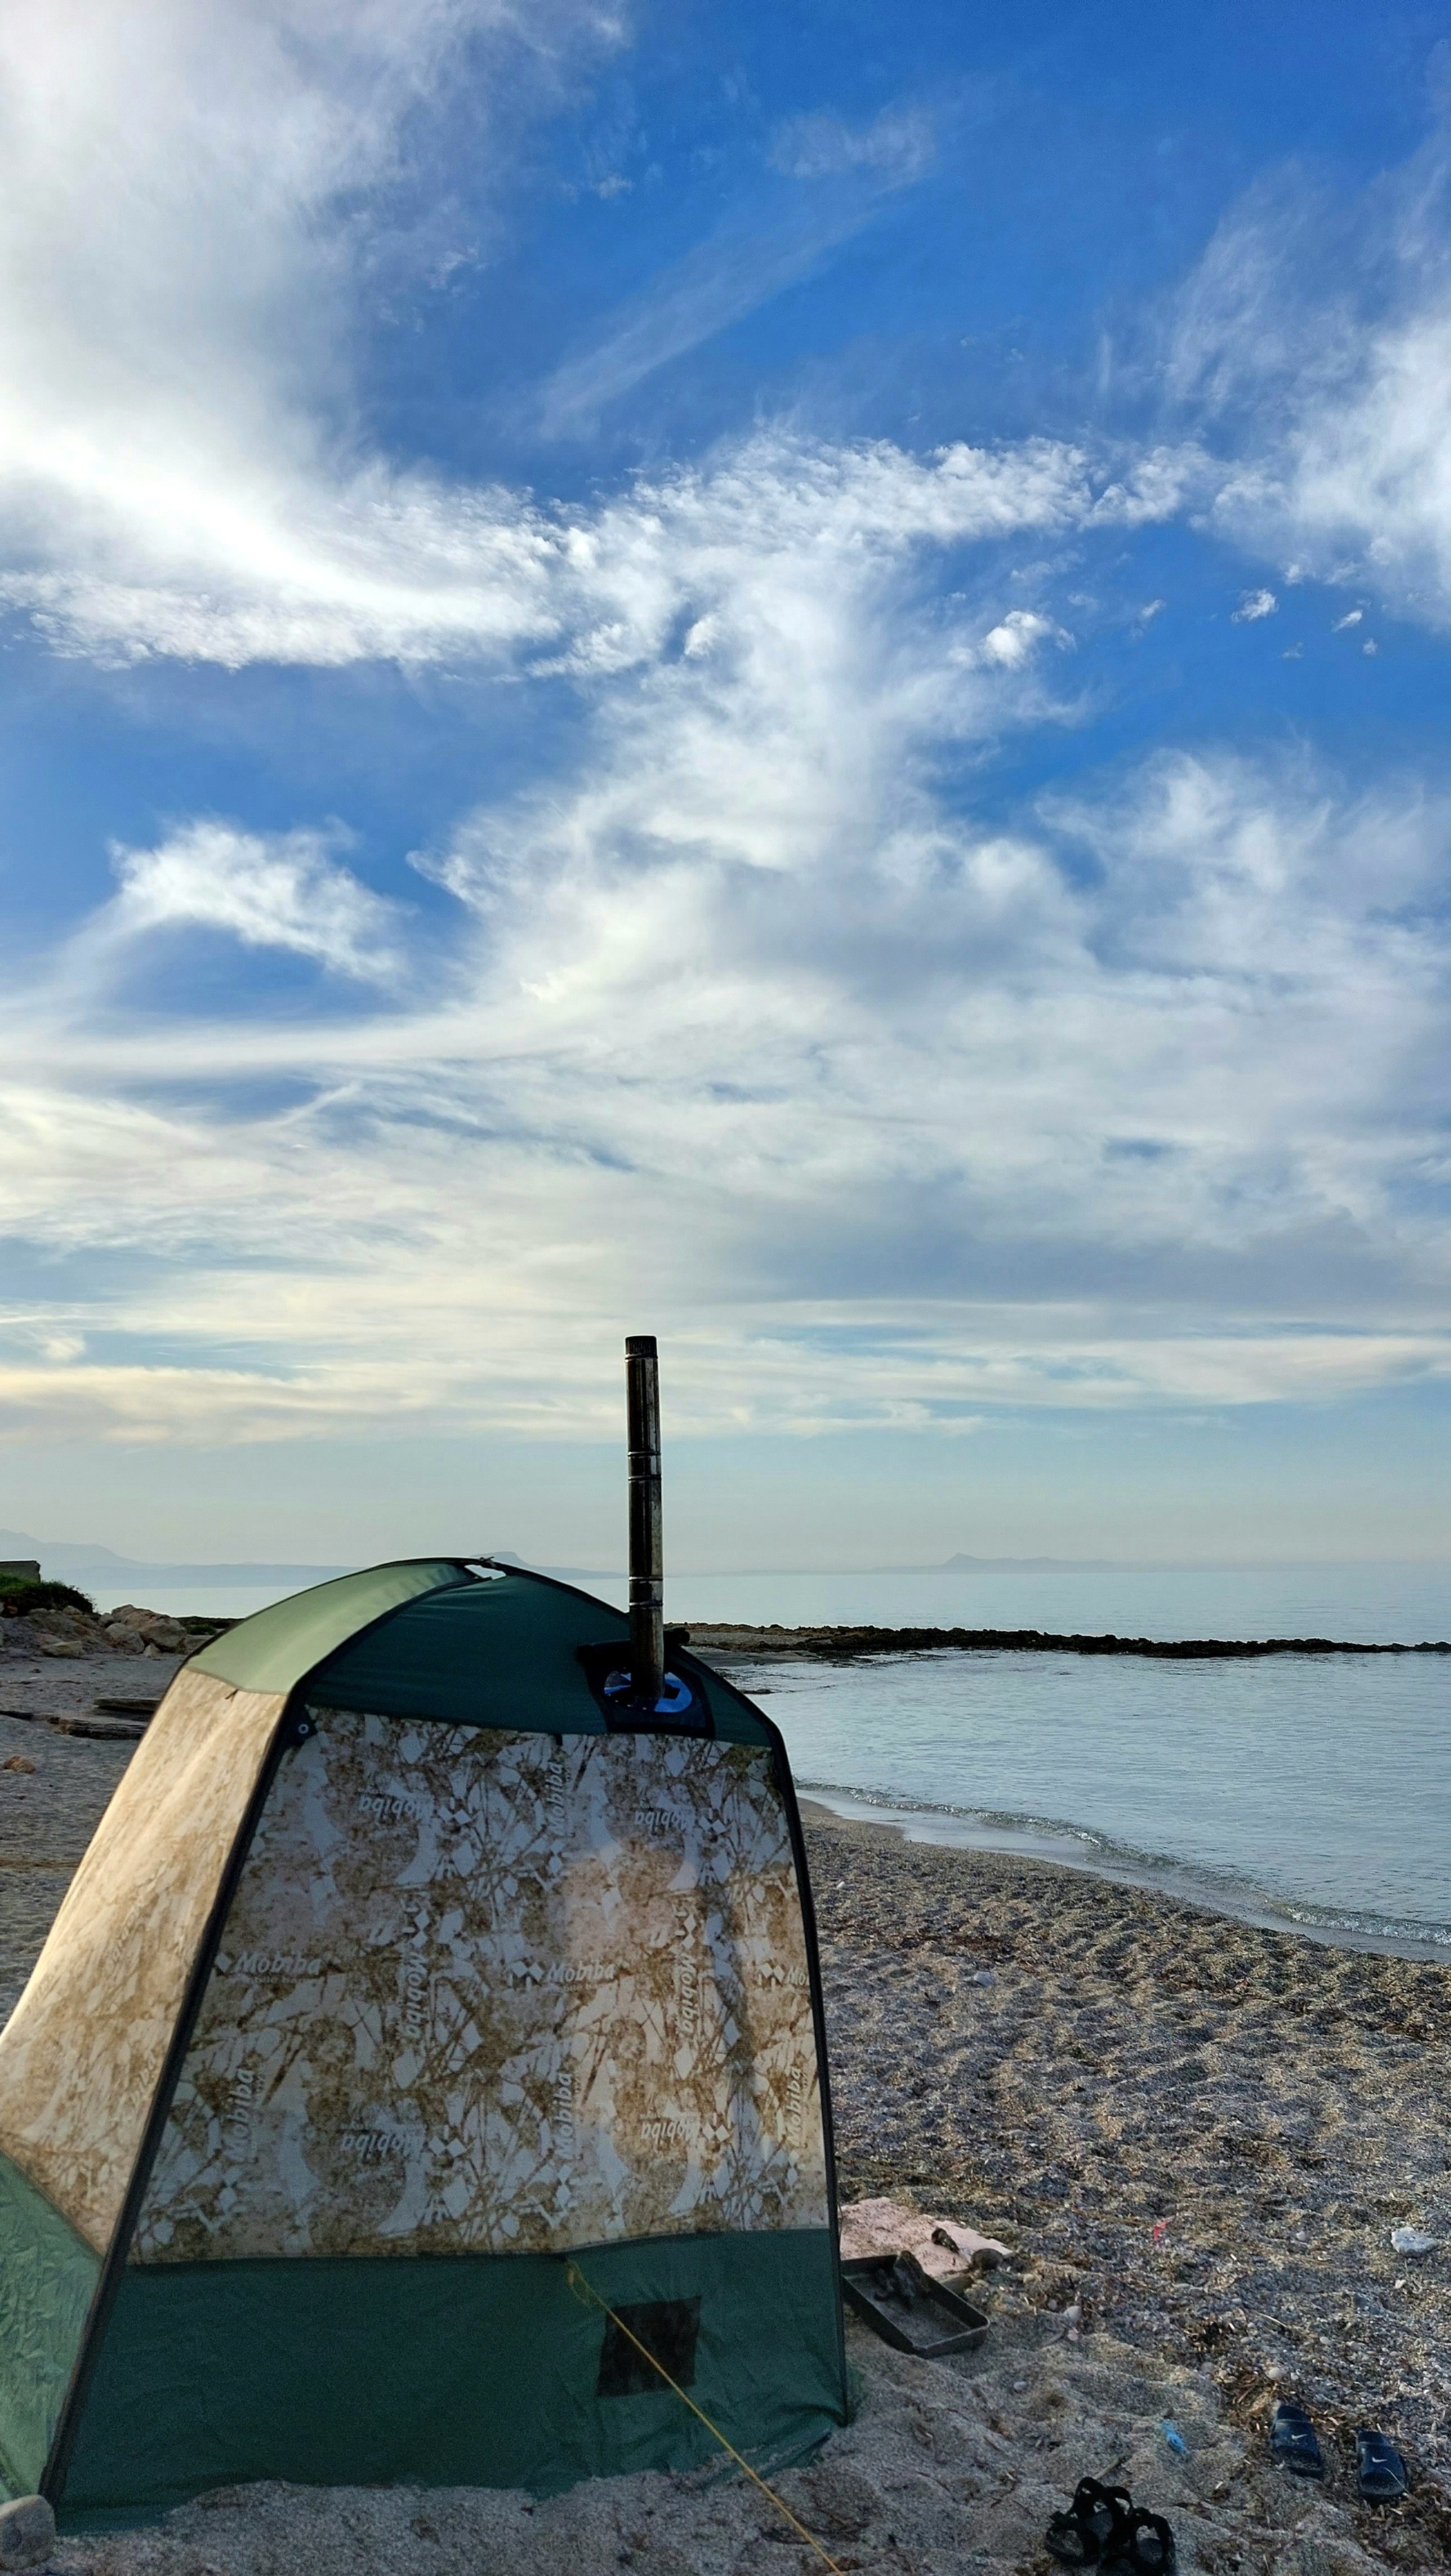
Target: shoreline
{"type": "Point", "coordinates": [950, 1829]}
{"type": "Point", "coordinates": [1231, 1859]}
{"type": "Point", "coordinates": [1196, 2135]}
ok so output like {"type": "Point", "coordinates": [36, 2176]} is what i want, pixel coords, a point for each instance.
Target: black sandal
{"type": "Point", "coordinates": [1147, 2544]}
{"type": "Point", "coordinates": [1094, 2525]}
{"type": "Point", "coordinates": [1294, 2443]}
{"type": "Point", "coordinates": [1380, 2470]}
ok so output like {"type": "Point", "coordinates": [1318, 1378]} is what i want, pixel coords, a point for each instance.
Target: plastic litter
{"type": "Point", "coordinates": [1413, 2240]}
{"type": "Point", "coordinates": [984, 1977]}
{"type": "Point", "coordinates": [1175, 2439]}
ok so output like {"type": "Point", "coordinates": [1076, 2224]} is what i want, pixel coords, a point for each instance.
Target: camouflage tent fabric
{"type": "Point", "coordinates": [403, 1966]}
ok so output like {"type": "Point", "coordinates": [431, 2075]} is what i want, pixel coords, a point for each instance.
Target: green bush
{"type": "Point", "coordinates": [18, 1594]}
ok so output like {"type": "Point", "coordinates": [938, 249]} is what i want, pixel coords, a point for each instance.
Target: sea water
{"type": "Point", "coordinates": [1309, 1791]}
{"type": "Point", "coordinates": [1368, 1602]}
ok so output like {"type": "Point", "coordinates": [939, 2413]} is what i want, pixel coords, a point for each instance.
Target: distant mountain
{"type": "Point", "coordinates": [73, 1560]}
{"type": "Point", "coordinates": [77, 1561]}
{"type": "Point", "coordinates": [1020, 1565]}
{"type": "Point", "coordinates": [70, 1559]}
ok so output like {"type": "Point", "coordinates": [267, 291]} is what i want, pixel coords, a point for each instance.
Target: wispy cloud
{"type": "Point", "coordinates": [189, 198]}
{"type": "Point", "coordinates": [1318, 334]}
{"type": "Point", "coordinates": [900, 144]}
{"type": "Point", "coordinates": [182, 467]}
{"type": "Point", "coordinates": [897, 1108]}
{"type": "Point", "coordinates": [719, 282]}
{"type": "Point", "coordinates": [763, 247]}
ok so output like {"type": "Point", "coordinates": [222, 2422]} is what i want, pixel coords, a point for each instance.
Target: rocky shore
{"type": "Point", "coordinates": [62, 1631]}
{"type": "Point", "coordinates": [743, 1647]}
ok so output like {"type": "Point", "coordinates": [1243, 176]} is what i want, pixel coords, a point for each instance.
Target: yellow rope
{"type": "Point", "coordinates": [577, 2282]}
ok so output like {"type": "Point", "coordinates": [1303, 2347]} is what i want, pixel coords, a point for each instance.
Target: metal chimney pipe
{"type": "Point", "coordinates": [647, 1561]}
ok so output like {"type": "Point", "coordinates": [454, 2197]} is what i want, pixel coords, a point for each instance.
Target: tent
{"type": "Point", "coordinates": [422, 1995]}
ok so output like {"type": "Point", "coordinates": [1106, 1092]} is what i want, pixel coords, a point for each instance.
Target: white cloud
{"type": "Point", "coordinates": [1352, 619]}
{"type": "Point", "coordinates": [1014, 640]}
{"type": "Point", "coordinates": [1320, 336]}
{"type": "Point", "coordinates": [1254, 604]}
{"type": "Point", "coordinates": [189, 196]}
{"type": "Point", "coordinates": [269, 890]}
{"type": "Point", "coordinates": [187, 206]}
{"type": "Point", "coordinates": [900, 144]}
{"type": "Point", "coordinates": [746, 1011]}
{"type": "Point", "coordinates": [885, 1118]}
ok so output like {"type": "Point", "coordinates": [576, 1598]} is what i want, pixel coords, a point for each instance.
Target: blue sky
{"type": "Point", "coordinates": [776, 675]}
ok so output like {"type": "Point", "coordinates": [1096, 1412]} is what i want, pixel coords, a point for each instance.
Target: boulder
{"type": "Point", "coordinates": [27, 2532]}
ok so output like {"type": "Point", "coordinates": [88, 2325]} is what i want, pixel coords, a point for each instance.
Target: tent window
{"type": "Point", "coordinates": [668, 2328]}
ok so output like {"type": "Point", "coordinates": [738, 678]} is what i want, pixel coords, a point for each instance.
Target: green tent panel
{"type": "Point", "coordinates": [419, 2001]}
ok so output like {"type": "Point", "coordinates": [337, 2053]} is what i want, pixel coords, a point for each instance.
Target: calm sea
{"type": "Point", "coordinates": [1301, 1791]}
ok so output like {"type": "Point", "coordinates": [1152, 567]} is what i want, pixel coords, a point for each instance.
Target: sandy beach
{"type": "Point", "coordinates": [1195, 2136]}
{"type": "Point", "coordinates": [1200, 2132]}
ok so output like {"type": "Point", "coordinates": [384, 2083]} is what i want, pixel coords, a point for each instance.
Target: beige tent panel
{"type": "Point", "coordinates": [84, 2047]}
{"type": "Point", "coordinates": [487, 1991]}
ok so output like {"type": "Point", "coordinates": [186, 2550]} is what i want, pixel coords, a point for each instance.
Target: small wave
{"type": "Point", "coordinates": [1221, 1886]}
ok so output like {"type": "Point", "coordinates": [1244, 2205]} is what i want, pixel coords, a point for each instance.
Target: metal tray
{"type": "Point", "coordinates": [908, 2309]}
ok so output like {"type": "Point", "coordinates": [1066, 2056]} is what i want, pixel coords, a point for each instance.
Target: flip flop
{"type": "Point", "coordinates": [1147, 2544]}
{"type": "Point", "coordinates": [1380, 2471]}
{"type": "Point", "coordinates": [1294, 2443]}
{"type": "Point", "coordinates": [1094, 2525]}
